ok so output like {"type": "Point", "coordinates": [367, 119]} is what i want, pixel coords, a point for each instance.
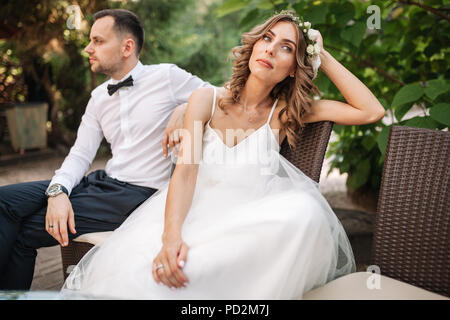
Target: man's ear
{"type": "Point", "coordinates": [128, 47]}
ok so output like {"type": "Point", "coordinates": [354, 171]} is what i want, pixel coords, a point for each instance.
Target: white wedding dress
{"type": "Point", "coordinates": [258, 228]}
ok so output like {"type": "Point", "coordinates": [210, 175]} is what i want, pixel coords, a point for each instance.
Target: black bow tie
{"type": "Point", "coordinates": [128, 82]}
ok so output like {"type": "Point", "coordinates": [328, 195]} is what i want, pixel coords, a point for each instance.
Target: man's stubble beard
{"type": "Point", "coordinates": [106, 70]}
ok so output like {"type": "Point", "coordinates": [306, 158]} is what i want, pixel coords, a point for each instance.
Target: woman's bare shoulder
{"type": "Point", "coordinates": [200, 104]}
{"type": "Point", "coordinates": [223, 92]}
{"type": "Point", "coordinates": [205, 93]}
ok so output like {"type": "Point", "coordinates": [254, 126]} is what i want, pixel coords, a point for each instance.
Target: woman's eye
{"type": "Point", "coordinates": [287, 48]}
{"type": "Point", "coordinates": [267, 38]}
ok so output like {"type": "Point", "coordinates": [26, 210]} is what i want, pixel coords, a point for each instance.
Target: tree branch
{"type": "Point", "coordinates": [427, 8]}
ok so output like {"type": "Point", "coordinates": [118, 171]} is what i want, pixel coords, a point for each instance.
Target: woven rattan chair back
{"type": "Point", "coordinates": [310, 150]}
{"type": "Point", "coordinates": [411, 234]}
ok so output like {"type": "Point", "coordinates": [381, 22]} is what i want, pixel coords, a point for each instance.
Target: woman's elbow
{"type": "Point", "coordinates": [378, 114]}
{"type": "Point", "coordinates": [382, 113]}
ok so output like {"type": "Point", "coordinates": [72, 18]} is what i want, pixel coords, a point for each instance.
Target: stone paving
{"type": "Point", "coordinates": [48, 271]}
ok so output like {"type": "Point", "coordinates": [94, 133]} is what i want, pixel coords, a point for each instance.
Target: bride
{"type": "Point", "coordinates": [237, 220]}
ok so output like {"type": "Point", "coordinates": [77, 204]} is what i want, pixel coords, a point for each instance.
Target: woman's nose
{"type": "Point", "coordinates": [270, 49]}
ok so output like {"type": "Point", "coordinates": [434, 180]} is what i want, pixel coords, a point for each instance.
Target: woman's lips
{"type": "Point", "coordinates": [265, 63]}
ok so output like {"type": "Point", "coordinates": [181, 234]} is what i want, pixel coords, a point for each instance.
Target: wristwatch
{"type": "Point", "coordinates": [55, 189]}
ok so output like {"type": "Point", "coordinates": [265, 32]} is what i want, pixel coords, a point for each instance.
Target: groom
{"type": "Point", "coordinates": [130, 110]}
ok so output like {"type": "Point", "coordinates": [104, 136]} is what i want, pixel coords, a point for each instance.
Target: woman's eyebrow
{"type": "Point", "coordinates": [287, 40]}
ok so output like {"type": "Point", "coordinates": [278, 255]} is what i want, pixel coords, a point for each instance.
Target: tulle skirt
{"type": "Point", "coordinates": [274, 237]}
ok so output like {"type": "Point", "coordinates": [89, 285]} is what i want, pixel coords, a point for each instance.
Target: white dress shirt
{"type": "Point", "coordinates": [132, 120]}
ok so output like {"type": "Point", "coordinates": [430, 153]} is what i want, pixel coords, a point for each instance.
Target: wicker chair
{"type": "Point", "coordinates": [411, 235]}
{"type": "Point", "coordinates": [308, 157]}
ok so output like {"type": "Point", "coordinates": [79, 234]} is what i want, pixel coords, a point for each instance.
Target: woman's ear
{"type": "Point", "coordinates": [293, 70]}
{"type": "Point", "coordinates": [292, 73]}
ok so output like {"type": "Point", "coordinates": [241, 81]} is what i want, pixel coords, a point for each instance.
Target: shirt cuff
{"type": "Point", "coordinates": [65, 190]}
{"type": "Point", "coordinates": [66, 185]}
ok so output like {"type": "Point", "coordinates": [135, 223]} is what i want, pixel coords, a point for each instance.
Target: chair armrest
{"type": "Point", "coordinates": [354, 287]}
{"type": "Point", "coordinates": [94, 238]}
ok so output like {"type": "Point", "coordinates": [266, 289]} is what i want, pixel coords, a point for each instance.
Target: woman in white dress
{"type": "Point", "coordinates": [237, 220]}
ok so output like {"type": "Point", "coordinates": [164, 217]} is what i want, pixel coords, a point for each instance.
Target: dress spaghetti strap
{"type": "Point", "coordinates": [213, 105]}
{"type": "Point", "coordinates": [271, 111]}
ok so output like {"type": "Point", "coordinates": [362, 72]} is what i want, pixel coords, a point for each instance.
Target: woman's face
{"type": "Point", "coordinates": [273, 56]}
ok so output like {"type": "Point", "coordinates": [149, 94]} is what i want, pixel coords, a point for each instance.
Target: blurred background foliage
{"type": "Point", "coordinates": [42, 57]}
{"type": "Point", "coordinates": [403, 61]}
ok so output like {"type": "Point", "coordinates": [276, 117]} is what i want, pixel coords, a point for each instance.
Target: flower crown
{"type": "Point", "coordinates": [312, 48]}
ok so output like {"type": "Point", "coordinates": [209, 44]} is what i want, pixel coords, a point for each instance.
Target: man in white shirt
{"type": "Point", "coordinates": [131, 111]}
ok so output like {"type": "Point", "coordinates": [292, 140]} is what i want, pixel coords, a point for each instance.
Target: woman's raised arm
{"type": "Point", "coordinates": [362, 106]}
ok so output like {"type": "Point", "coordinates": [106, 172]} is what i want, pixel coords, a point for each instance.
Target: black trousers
{"type": "Point", "coordinates": [100, 203]}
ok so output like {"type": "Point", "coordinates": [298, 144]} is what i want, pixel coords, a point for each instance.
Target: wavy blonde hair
{"type": "Point", "coordinates": [296, 91]}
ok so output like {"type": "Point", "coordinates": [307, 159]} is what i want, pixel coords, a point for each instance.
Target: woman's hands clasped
{"type": "Point", "coordinates": [168, 264]}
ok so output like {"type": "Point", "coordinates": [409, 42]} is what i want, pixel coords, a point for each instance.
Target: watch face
{"type": "Point", "coordinates": [54, 189]}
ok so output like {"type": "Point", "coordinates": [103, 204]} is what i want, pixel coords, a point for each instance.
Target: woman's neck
{"type": "Point", "coordinates": [255, 93]}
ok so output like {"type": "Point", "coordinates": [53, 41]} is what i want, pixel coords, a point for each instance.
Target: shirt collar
{"type": "Point", "coordinates": [133, 72]}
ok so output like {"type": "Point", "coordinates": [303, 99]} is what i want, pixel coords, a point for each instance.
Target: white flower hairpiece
{"type": "Point", "coordinates": [310, 35]}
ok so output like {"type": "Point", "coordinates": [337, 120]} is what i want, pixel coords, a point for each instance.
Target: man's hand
{"type": "Point", "coordinates": [59, 214]}
{"type": "Point", "coordinates": [172, 133]}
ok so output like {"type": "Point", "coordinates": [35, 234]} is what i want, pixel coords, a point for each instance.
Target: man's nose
{"type": "Point", "coordinates": [88, 48]}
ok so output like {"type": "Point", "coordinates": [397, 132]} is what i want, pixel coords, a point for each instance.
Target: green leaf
{"type": "Point", "coordinates": [316, 14]}
{"type": "Point", "coordinates": [421, 122]}
{"type": "Point", "coordinates": [266, 4]}
{"type": "Point", "coordinates": [343, 12]}
{"type": "Point", "coordinates": [355, 33]}
{"type": "Point", "coordinates": [441, 112]}
{"type": "Point", "coordinates": [384, 103]}
{"type": "Point", "coordinates": [400, 111]}
{"type": "Point", "coordinates": [382, 139]}
{"type": "Point", "coordinates": [323, 82]}
{"type": "Point", "coordinates": [230, 6]}
{"type": "Point", "coordinates": [436, 87]}
{"type": "Point", "coordinates": [250, 19]}
{"type": "Point", "coordinates": [332, 36]}
{"type": "Point", "coordinates": [407, 94]}
{"type": "Point", "coordinates": [345, 167]}
{"type": "Point", "coordinates": [432, 48]}
{"type": "Point", "coordinates": [368, 142]}
{"type": "Point", "coordinates": [338, 128]}
{"type": "Point", "coordinates": [361, 175]}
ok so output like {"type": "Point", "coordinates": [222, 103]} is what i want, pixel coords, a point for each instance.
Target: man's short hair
{"type": "Point", "coordinates": [125, 21]}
